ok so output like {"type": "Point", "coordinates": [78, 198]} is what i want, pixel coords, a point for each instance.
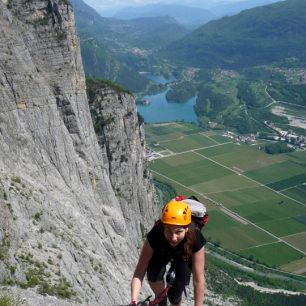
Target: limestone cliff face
{"type": "Point", "coordinates": [70, 212]}
{"type": "Point", "coordinates": [121, 137]}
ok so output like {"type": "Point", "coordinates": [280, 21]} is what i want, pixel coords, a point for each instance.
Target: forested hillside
{"type": "Point", "coordinates": [186, 15]}
{"type": "Point", "coordinates": [261, 35]}
{"type": "Point", "coordinates": [118, 49]}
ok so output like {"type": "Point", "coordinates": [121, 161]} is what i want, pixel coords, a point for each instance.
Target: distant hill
{"type": "Point", "coordinates": [219, 9]}
{"type": "Point", "coordinates": [188, 16]}
{"type": "Point", "coordinates": [223, 8]}
{"type": "Point", "coordinates": [260, 35]}
{"type": "Point", "coordinates": [140, 32]}
{"type": "Point", "coordinates": [149, 33]}
{"type": "Point", "coordinates": [99, 60]}
{"type": "Point", "coordinates": [117, 49]}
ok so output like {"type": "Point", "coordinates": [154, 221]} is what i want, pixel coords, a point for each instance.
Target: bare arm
{"type": "Point", "coordinates": [140, 271]}
{"type": "Point", "coordinates": [198, 264]}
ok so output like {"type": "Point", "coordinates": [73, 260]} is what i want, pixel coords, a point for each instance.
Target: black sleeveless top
{"type": "Point", "coordinates": [160, 245]}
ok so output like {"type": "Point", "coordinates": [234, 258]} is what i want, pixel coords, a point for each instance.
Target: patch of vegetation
{"type": "Point", "coordinates": [265, 115]}
{"type": "Point", "coordinates": [100, 122]}
{"type": "Point", "coordinates": [181, 92]}
{"type": "Point", "coordinates": [33, 277]}
{"type": "Point", "coordinates": [166, 191]}
{"type": "Point", "coordinates": [246, 94]}
{"type": "Point", "coordinates": [37, 276]}
{"type": "Point", "coordinates": [12, 269]}
{"type": "Point", "coordinates": [94, 84]}
{"type": "Point", "coordinates": [8, 300]}
{"type": "Point", "coordinates": [221, 104]}
{"type": "Point", "coordinates": [291, 93]}
{"type": "Point", "coordinates": [4, 246]}
{"type": "Point", "coordinates": [62, 289]}
{"type": "Point", "coordinates": [37, 217]}
{"type": "Point", "coordinates": [61, 35]}
{"type": "Point", "coordinates": [16, 179]}
{"type": "Point", "coordinates": [211, 103]}
{"type": "Point", "coordinates": [277, 148]}
{"type": "Point", "coordinates": [3, 194]}
{"type": "Point", "coordinates": [263, 73]}
{"type": "Point", "coordinates": [221, 279]}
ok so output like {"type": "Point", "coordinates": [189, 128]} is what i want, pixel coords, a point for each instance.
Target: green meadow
{"type": "Point", "coordinates": [190, 173]}
{"type": "Point", "coordinates": [297, 192]}
{"type": "Point", "coordinates": [189, 142]}
{"type": "Point", "coordinates": [240, 157]}
{"type": "Point", "coordinates": [274, 255]}
{"type": "Point", "coordinates": [232, 234]}
{"type": "Point", "coordinates": [256, 201]}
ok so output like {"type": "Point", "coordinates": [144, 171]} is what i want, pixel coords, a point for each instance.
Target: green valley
{"type": "Point", "coordinates": [246, 70]}
{"type": "Point", "coordinates": [254, 199]}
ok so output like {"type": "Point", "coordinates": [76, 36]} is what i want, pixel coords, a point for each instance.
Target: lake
{"type": "Point", "coordinates": [160, 110]}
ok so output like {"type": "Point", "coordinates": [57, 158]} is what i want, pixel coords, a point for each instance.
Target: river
{"type": "Point", "coordinates": [160, 110]}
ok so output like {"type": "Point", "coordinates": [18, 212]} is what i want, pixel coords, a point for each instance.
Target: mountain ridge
{"type": "Point", "coordinates": [241, 40]}
{"type": "Point", "coordinates": [189, 16]}
{"type": "Point", "coordinates": [126, 44]}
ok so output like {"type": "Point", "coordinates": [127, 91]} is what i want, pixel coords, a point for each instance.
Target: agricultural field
{"type": "Point", "coordinates": [256, 201]}
{"type": "Point", "coordinates": [274, 254]}
{"type": "Point", "coordinates": [240, 157]}
{"type": "Point", "coordinates": [165, 131]}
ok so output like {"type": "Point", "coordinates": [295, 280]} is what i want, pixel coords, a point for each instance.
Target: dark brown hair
{"type": "Point", "coordinates": [189, 242]}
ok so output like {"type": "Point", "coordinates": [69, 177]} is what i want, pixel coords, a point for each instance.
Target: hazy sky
{"type": "Point", "coordinates": [112, 4]}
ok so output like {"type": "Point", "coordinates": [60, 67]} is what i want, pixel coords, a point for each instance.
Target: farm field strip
{"type": "Point", "coordinates": [234, 216]}
{"type": "Point", "coordinates": [192, 150]}
{"type": "Point", "coordinates": [280, 175]}
{"type": "Point", "coordinates": [297, 267]}
{"type": "Point", "coordinates": [285, 189]}
{"type": "Point", "coordinates": [260, 245]}
{"type": "Point", "coordinates": [278, 253]}
{"type": "Point", "coordinates": [233, 213]}
{"type": "Point", "coordinates": [230, 190]}
{"type": "Point", "coordinates": [238, 173]}
{"type": "Point", "coordinates": [189, 142]}
{"type": "Point", "coordinates": [203, 134]}
{"type": "Point", "coordinates": [296, 186]}
{"type": "Point", "coordinates": [178, 138]}
{"type": "Point", "coordinates": [296, 192]}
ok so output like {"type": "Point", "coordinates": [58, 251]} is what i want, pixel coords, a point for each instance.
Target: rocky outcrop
{"type": "Point", "coordinates": [70, 212]}
{"type": "Point", "coordinates": [121, 137]}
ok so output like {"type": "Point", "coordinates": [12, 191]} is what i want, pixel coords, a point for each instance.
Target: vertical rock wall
{"type": "Point", "coordinates": [121, 137]}
{"type": "Point", "coordinates": [68, 219]}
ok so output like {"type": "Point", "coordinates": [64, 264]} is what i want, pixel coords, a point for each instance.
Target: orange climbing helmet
{"type": "Point", "coordinates": [176, 213]}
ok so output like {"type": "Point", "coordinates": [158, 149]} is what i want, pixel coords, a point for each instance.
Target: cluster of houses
{"type": "Point", "coordinates": [291, 138]}
{"type": "Point", "coordinates": [248, 138]}
{"type": "Point", "coordinates": [297, 141]}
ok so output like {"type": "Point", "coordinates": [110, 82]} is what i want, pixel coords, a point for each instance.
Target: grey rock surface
{"type": "Point", "coordinates": [72, 215]}
{"type": "Point", "coordinates": [121, 137]}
